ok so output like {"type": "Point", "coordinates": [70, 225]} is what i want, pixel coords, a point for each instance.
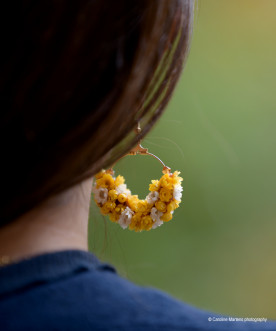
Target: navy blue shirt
{"type": "Point", "coordinates": [72, 290]}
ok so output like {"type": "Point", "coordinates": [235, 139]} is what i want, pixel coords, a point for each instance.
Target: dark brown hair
{"type": "Point", "coordinates": [76, 77]}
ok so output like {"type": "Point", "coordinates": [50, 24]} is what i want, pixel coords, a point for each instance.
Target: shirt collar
{"type": "Point", "coordinates": [45, 268]}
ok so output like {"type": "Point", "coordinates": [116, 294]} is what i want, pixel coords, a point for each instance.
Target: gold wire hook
{"type": "Point", "coordinates": [139, 149]}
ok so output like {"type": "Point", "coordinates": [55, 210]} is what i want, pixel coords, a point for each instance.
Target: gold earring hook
{"type": "Point", "coordinates": [140, 150]}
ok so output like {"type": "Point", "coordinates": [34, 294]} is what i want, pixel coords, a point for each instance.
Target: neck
{"type": "Point", "coordinates": [60, 223]}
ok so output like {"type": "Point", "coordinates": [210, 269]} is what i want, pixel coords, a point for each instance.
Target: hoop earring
{"type": "Point", "coordinates": [115, 200]}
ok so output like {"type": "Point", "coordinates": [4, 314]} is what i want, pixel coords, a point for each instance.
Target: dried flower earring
{"type": "Point", "coordinates": [115, 200]}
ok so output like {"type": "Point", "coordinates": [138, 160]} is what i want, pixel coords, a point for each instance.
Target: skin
{"type": "Point", "coordinates": [60, 223]}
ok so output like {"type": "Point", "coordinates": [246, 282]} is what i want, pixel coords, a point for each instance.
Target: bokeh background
{"type": "Point", "coordinates": [219, 251]}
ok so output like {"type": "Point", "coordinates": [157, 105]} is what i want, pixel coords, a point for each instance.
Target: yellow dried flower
{"type": "Point", "coordinates": [175, 179]}
{"type": "Point", "coordinates": [106, 181]}
{"type": "Point", "coordinates": [166, 182]}
{"type": "Point", "coordinates": [119, 180]}
{"type": "Point", "coordinates": [122, 198]}
{"type": "Point", "coordinates": [172, 206]}
{"type": "Point", "coordinates": [135, 221]}
{"type": "Point", "coordinates": [112, 195]}
{"type": "Point", "coordinates": [146, 223]}
{"type": "Point", "coordinates": [165, 195]}
{"type": "Point", "coordinates": [143, 206]}
{"type": "Point", "coordinates": [109, 206]}
{"type": "Point", "coordinates": [161, 206]}
{"type": "Point", "coordinates": [132, 202]}
{"type": "Point", "coordinates": [166, 217]}
{"type": "Point", "coordinates": [105, 209]}
{"type": "Point", "coordinates": [119, 208]}
{"type": "Point", "coordinates": [155, 185]}
{"type": "Point", "coordinates": [114, 216]}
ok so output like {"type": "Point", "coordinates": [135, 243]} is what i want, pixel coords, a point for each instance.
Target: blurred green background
{"type": "Point", "coordinates": [219, 251]}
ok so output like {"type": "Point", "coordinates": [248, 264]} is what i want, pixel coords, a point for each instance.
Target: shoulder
{"type": "Point", "coordinates": [73, 291]}
{"type": "Point", "coordinates": [113, 302]}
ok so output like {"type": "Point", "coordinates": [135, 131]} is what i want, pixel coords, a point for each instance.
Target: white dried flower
{"type": "Point", "coordinates": [152, 197]}
{"type": "Point", "coordinates": [177, 192]}
{"type": "Point", "coordinates": [122, 189]}
{"type": "Point", "coordinates": [125, 218]}
{"type": "Point", "coordinates": [101, 194]}
{"type": "Point", "coordinates": [156, 224]}
{"type": "Point", "coordinates": [155, 214]}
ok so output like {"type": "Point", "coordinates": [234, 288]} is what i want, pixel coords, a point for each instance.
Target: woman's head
{"type": "Point", "coordinates": [76, 77]}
